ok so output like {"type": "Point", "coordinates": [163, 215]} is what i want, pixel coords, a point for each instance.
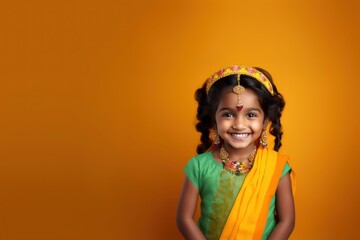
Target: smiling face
{"type": "Point", "coordinates": [239, 129]}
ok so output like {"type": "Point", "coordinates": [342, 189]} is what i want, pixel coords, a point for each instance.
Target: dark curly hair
{"type": "Point", "coordinates": [208, 103]}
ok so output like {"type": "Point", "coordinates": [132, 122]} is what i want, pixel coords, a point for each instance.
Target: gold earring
{"type": "Point", "coordinates": [215, 137]}
{"type": "Point", "coordinates": [263, 138]}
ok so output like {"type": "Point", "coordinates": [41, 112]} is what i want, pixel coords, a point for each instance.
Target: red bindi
{"type": "Point", "coordinates": [239, 107]}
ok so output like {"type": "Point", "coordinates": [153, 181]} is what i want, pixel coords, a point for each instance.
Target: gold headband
{"type": "Point", "coordinates": [240, 70]}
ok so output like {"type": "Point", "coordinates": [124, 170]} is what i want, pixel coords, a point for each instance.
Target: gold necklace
{"type": "Point", "coordinates": [236, 167]}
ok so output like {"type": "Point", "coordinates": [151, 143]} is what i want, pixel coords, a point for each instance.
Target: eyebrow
{"type": "Point", "coordinates": [253, 109]}
{"type": "Point", "coordinates": [233, 109]}
{"type": "Point", "coordinates": [225, 109]}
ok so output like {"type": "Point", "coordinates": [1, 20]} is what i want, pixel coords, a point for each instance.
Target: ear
{"type": "Point", "coordinates": [265, 123]}
{"type": "Point", "coordinates": [215, 125]}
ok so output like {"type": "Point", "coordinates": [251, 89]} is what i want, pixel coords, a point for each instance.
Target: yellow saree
{"type": "Point", "coordinates": [248, 215]}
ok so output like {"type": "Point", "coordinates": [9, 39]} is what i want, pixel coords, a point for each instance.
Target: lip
{"type": "Point", "coordinates": [240, 136]}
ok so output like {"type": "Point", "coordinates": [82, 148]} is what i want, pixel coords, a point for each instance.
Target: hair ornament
{"type": "Point", "coordinates": [238, 89]}
{"type": "Point", "coordinates": [240, 70]}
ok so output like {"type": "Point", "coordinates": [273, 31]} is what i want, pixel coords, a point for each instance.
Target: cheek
{"type": "Point", "coordinates": [257, 128]}
{"type": "Point", "coordinates": [221, 125]}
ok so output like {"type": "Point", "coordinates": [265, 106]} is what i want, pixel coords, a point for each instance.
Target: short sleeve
{"type": "Point", "coordinates": [192, 171]}
{"type": "Point", "coordinates": [287, 169]}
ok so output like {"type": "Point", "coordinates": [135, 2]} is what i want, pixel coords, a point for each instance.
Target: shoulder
{"type": "Point", "coordinates": [283, 157]}
{"type": "Point", "coordinates": [199, 160]}
{"type": "Point", "coordinates": [196, 166]}
{"type": "Point", "coordinates": [285, 163]}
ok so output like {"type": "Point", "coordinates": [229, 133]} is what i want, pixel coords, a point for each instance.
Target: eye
{"type": "Point", "coordinates": [228, 115]}
{"type": "Point", "coordinates": [252, 115]}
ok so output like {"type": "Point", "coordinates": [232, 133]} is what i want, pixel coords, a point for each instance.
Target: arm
{"type": "Point", "coordinates": [186, 211]}
{"type": "Point", "coordinates": [285, 210]}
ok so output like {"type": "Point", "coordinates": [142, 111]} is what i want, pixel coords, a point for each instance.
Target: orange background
{"type": "Point", "coordinates": [97, 111]}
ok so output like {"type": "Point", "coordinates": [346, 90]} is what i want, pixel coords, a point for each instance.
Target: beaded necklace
{"type": "Point", "coordinates": [236, 167]}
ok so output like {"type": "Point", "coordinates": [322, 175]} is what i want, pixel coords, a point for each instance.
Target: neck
{"type": "Point", "coordinates": [237, 167]}
{"type": "Point", "coordinates": [239, 154]}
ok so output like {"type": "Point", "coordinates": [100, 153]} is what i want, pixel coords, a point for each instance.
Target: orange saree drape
{"type": "Point", "coordinates": [249, 213]}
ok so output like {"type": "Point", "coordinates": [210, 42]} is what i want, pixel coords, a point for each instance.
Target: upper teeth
{"type": "Point", "coordinates": [240, 135]}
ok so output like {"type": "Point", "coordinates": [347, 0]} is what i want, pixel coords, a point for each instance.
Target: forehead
{"type": "Point", "coordinates": [248, 98]}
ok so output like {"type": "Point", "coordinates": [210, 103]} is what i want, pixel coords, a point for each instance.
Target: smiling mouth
{"type": "Point", "coordinates": [240, 135]}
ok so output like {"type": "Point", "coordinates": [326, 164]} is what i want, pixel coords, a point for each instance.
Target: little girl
{"type": "Point", "coordinates": [246, 188]}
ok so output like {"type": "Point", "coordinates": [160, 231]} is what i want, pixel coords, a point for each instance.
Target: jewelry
{"type": "Point", "coordinates": [240, 70]}
{"type": "Point", "coordinates": [263, 139]}
{"type": "Point", "coordinates": [236, 167]}
{"type": "Point", "coordinates": [214, 136]}
{"type": "Point", "coordinates": [238, 89]}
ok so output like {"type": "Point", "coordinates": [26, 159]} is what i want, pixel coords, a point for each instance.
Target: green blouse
{"type": "Point", "coordinates": [218, 189]}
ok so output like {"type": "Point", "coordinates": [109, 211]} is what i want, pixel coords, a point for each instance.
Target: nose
{"type": "Point", "coordinates": [239, 123]}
